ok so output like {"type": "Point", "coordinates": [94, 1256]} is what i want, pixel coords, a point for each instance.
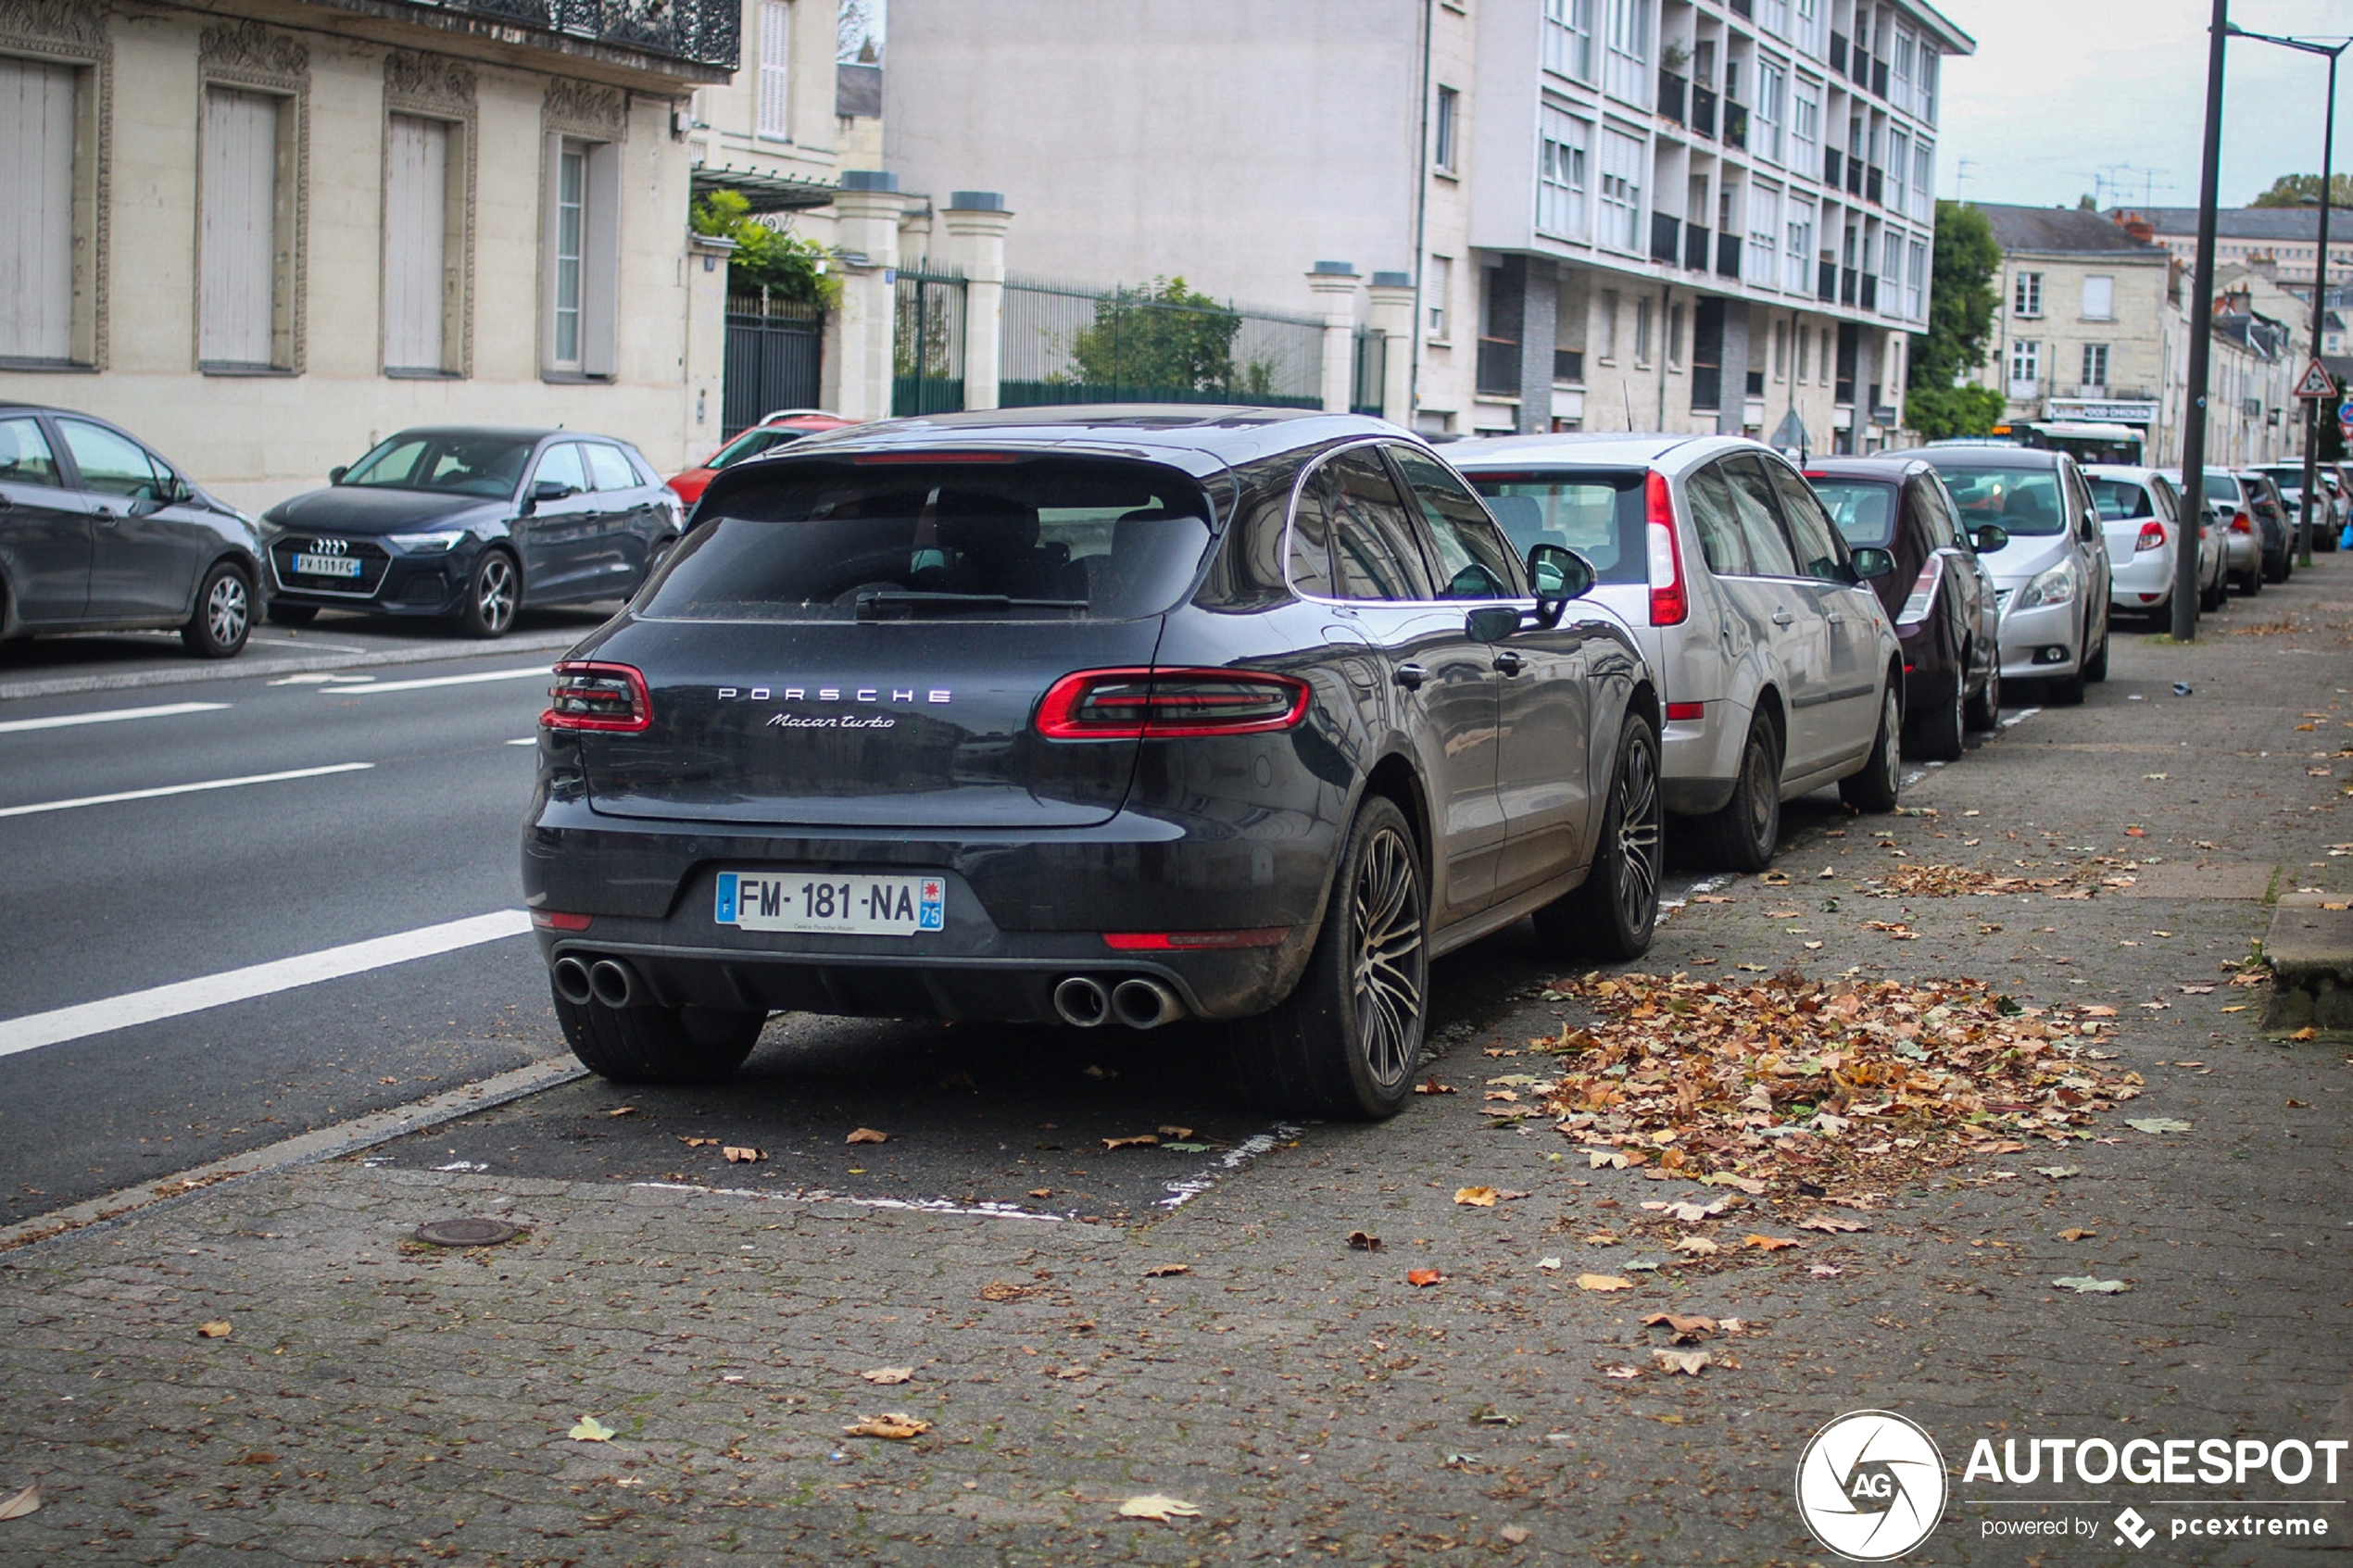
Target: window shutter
{"type": "Point", "coordinates": [36, 192]}
{"type": "Point", "coordinates": [601, 263]}
{"type": "Point", "coordinates": [775, 68]}
{"type": "Point", "coordinates": [2100, 297]}
{"type": "Point", "coordinates": [238, 262]}
{"type": "Point", "coordinates": [416, 187]}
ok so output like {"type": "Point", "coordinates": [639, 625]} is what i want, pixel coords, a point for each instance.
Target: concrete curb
{"type": "Point", "coordinates": [530, 642]}
{"type": "Point", "coordinates": [2310, 950]}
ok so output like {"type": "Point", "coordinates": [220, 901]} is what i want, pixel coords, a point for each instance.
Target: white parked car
{"type": "Point", "coordinates": [1782, 671]}
{"type": "Point", "coordinates": [2141, 514]}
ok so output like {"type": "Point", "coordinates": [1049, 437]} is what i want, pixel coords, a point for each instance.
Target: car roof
{"type": "Point", "coordinates": [1949, 455]}
{"type": "Point", "coordinates": [1200, 439]}
{"type": "Point", "coordinates": [1585, 448]}
{"type": "Point", "coordinates": [520, 433]}
{"type": "Point", "coordinates": [2136, 471]}
{"type": "Point", "coordinates": [1883, 465]}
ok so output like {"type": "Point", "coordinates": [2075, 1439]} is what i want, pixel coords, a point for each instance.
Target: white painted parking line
{"type": "Point", "coordinates": [539, 669]}
{"type": "Point", "coordinates": [158, 792]}
{"type": "Point", "coordinates": [109, 715]}
{"type": "Point", "coordinates": [36, 1030]}
{"type": "Point", "coordinates": [2021, 717]}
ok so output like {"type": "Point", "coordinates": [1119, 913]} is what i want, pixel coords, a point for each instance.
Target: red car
{"type": "Point", "coordinates": [781, 428]}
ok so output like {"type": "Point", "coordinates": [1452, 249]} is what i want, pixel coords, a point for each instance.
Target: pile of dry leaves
{"type": "Point", "coordinates": [1951, 882]}
{"type": "Point", "coordinates": [1825, 1088]}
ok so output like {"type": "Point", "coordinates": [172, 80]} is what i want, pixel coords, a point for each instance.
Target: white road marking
{"type": "Point", "coordinates": [109, 715]}
{"type": "Point", "coordinates": [42, 806]}
{"type": "Point", "coordinates": [315, 678]}
{"type": "Point", "coordinates": [539, 669]}
{"type": "Point", "coordinates": [36, 1030]}
{"type": "Point", "coordinates": [2019, 717]}
{"type": "Point", "coordinates": [1714, 884]}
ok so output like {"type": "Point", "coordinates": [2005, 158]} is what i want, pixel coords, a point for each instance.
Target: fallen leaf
{"type": "Point", "coordinates": [1152, 1505]}
{"type": "Point", "coordinates": [1515, 1534]}
{"type": "Point", "coordinates": [1826, 1270]}
{"type": "Point", "coordinates": [24, 1503]}
{"type": "Point", "coordinates": [1162, 1270]}
{"type": "Point", "coordinates": [1690, 1363]}
{"type": "Point", "coordinates": [2084, 1284]}
{"type": "Point", "coordinates": [1623, 1371]}
{"type": "Point", "coordinates": [1141, 1140]}
{"type": "Point", "coordinates": [1696, 1246]}
{"type": "Point", "coordinates": [1690, 1213]}
{"type": "Point", "coordinates": [588, 1429]}
{"type": "Point", "coordinates": [2136, 833]}
{"type": "Point", "coordinates": [623, 1111]}
{"type": "Point", "coordinates": [893, 1426]}
{"type": "Point", "coordinates": [2058, 1172]}
{"type": "Point", "coordinates": [1687, 1330]}
{"type": "Point", "coordinates": [1830, 1222]}
{"type": "Point", "coordinates": [867, 1134]}
{"type": "Point", "coordinates": [1358, 1241]}
{"type": "Point", "coordinates": [1775, 878]}
{"type": "Point", "coordinates": [697, 1143]}
{"type": "Point", "coordinates": [1476, 1197]}
{"type": "Point", "coordinates": [2077, 1233]}
{"type": "Point", "coordinates": [888, 1374]}
{"type": "Point", "coordinates": [1041, 1192]}
{"type": "Point", "coordinates": [2156, 1124]}
{"type": "Point", "coordinates": [1602, 1282]}
{"type": "Point", "coordinates": [1421, 1279]}
{"type": "Point", "coordinates": [998, 1290]}
{"type": "Point", "coordinates": [1709, 899]}
{"type": "Point", "coordinates": [1766, 1242]}
{"type": "Point", "coordinates": [737, 1155]}
{"type": "Point", "coordinates": [2240, 1008]}
{"type": "Point", "coordinates": [2299, 1105]}
{"type": "Point", "coordinates": [1432, 1086]}
{"type": "Point", "coordinates": [2307, 1033]}
{"type": "Point", "coordinates": [1186, 1147]}
{"type": "Point", "coordinates": [1548, 1263]}
{"type": "Point", "coordinates": [2097, 1011]}
{"type": "Point", "coordinates": [1748, 1185]}
{"type": "Point", "coordinates": [1606, 1160]}
{"type": "Point", "coordinates": [1066, 1373]}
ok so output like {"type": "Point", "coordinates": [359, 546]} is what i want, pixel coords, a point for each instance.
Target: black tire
{"type": "Point", "coordinates": [1742, 835]}
{"type": "Point", "coordinates": [2276, 571]}
{"type": "Point", "coordinates": [2210, 599]}
{"type": "Point", "coordinates": [651, 1045]}
{"type": "Point", "coordinates": [1611, 914]}
{"type": "Point", "coordinates": [494, 596]}
{"type": "Point", "coordinates": [1985, 708]}
{"type": "Point", "coordinates": [1339, 1047]}
{"type": "Point", "coordinates": [1880, 782]}
{"type": "Point", "coordinates": [2250, 581]}
{"type": "Point", "coordinates": [2095, 665]}
{"type": "Point", "coordinates": [292, 615]}
{"type": "Point", "coordinates": [1937, 733]}
{"type": "Point", "coordinates": [223, 615]}
{"type": "Point", "coordinates": [2065, 691]}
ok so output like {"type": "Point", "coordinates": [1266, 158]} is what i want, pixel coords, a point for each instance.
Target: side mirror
{"type": "Point", "coordinates": [1492, 623]}
{"type": "Point", "coordinates": [1991, 537]}
{"type": "Point", "coordinates": [1870, 563]}
{"type": "Point", "coordinates": [147, 506]}
{"type": "Point", "coordinates": [335, 475]}
{"type": "Point", "coordinates": [544, 490]}
{"type": "Point", "coordinates": [1558, 574]}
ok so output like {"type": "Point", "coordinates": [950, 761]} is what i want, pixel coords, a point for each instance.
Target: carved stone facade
{"type": "Point", "coordinates": [595, 114]}
{"type": "Point", "coordinates": [248, 55]}
{"type": "Point", "coordinates": [74, 32]}
{"type": "Point", "coordinates": [435, 87]}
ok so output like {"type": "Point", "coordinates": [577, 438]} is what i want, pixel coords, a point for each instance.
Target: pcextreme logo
{"type": "Point", "coordinates": [1871, 1485]}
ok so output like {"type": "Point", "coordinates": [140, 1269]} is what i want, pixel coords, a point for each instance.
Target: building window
{"type": "Point", "coordinates": [1643, 330]}
{"type": "Point", "coordinates": [1622, 159]}
{"type": "Point", "coordinates": [2095, 368]}
{"type": "Point", "coordinates": [1674, 338]}
{"type": "Point", "coordinates": [583, 255]}
{"type": "Point", "coordinates": [1443, 148]}
{"type": "Point", "coordinates": [1763, 227]}
{"type": "Point", "coordinates": [1806, 131]}
{"type": "Point", "coordinates": [1809, 26]}
{"type": "Point", "coordinates": [1764, 133]}
{"type": "Point", "coordinates": [1927, 107]}
{"type": "Point", "coordinates": [1805, 353]}
{"type": "Point", "coordinates": [1900, 73]}
{"type": "Point", "coordinates": [1606, 326]}
{"type": "Point", "coordinates": [1561, 181]}
{"type": "Point", "coordinates": [1439, 285]}
{"type": "Point", "coordinates": [1899, 170]}
{"type": "Point", "coordinates": [1568, 38]}
{"type": "Point", "coordinates": [2026, 294]}
{"type": "Point", "coordinates": [423, 243]}
{"type": "Point", "coordinates": [775, 70]}
{"type": "Point", "coordinates": [244, 314]}
{"type": "Point", "coordinates": [2099, 300]}
{"type": "Point", "coordinates": [1627, 69]}
{"type": "Point", "coordinates": [1797, 259]}
{"type": "Point", "coordinates": [2026, 367]}
{"type": "Point", "coordinates": [1923, 182]}
{"type": "Point", "coordinates": [1891, 271]}
{"type": "Point", "coordinates": [37, 160]}
{"type": "Point", "coordinates": [1773, 16]}
{"type": "Point", "coordinates": [1916, 283]}
{"type": "Point", "coordinates": [1780, 351]}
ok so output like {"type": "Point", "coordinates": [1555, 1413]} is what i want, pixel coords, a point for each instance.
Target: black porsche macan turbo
{"type": "Point", "coordinates": [1097, 715]}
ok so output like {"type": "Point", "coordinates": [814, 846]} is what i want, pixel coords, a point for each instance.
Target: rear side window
{"type": "Point", "coordinates": [25, 458]}
{"type": "Point", "coordinates": [608, 468]}
{"type": "Point", "coordinates": [111, 464]}
{"type": "Point", "coordinates": [1864, 510]}
{"type": "Point", "coordinates": [1050, 539]}
{"type": "Point", "coordinates": [1760, 525]}
{"type": "Point", "coordinates": [1809, 526]}
{"type": "Point", "coordinates": [560, 464]}
{"type": "Point", "coordinates": [1598, 513]}
{"type": "Point", "coordinates": [1374, 555]}
{"type": "Point", "coordinates": [2120, 498]}
{"type": "Point", "coordinates": [1717, 518]}
{"type": "Point", "coordinates": [1472, 558]}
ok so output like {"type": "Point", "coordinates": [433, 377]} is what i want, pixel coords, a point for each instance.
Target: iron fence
{"type": "Point", "coordinates": [1069, 343]}
{"type": "Point", "coordinates": [927, 374]}
{"type": "Point", "coordinates": [773, 358]}
{"type": "Point", "coordinates": [1370, 381]}
{"type": "Point", "coordinates": [706, 32]}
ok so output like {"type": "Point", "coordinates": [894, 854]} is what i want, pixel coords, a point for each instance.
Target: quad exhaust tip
{"type": "Point", "coordinates": [571, 981]}
{"type": "Point", "coordinates": [1145, 1004]}
{"type": "Point", "coordinates": [612, 983]}
{"type": "Point", "coordinates": [1082, 1003]}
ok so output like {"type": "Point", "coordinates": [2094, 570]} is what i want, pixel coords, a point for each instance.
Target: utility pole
{"type": "Point", "coordinates": [2201, 339]}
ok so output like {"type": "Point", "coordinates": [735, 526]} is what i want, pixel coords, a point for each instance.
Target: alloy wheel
{"type": "Point", "coordinates": [1764, 794]}
{"type": "Point", "coordinates": [227, 610]}
{"type": "Point", "coordinates": [495, 593]}
{"type": "Point", "coordinates": [1389, 963]}
{"type": "Point", "coordinates": [1890, 727]}
{"type": "Point", "coordinates": [1638, 836]}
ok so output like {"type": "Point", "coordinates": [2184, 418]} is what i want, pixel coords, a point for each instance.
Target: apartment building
{"type": "Point", "coordinates": [1666, 214]}
{"type": "Point", "coordinates": [2287, 237]}
{"type": "Point", "coordinates": [266, 233]}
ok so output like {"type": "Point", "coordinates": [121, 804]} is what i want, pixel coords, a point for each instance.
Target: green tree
{"type": "Point", "coordinates": [789, 266]}
{"type": "Point", "coordinates": [2293, 190]}
{"type": "Point", "coordinates": [1163, 336]}
{"type": "Point", "coordinates": [1960, 322]}
{"type": "Point", "coordinates": [2085, 203]}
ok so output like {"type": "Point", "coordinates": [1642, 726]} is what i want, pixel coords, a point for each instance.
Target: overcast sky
{"type": "Point", "coordinates": [2059, 89]}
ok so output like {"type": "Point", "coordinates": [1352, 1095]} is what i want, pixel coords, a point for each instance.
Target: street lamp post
{"type": "Point", "coordinates": [2185, 584]}
{"type": "Point", "coordinates": [2319, 276]}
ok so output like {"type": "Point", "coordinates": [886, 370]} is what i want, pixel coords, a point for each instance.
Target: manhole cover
{"type": "Point", "coordinates": [466, 1233]}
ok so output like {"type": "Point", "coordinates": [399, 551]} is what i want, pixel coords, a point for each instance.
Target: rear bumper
{"type": "Point", "coordinates": [2142, 580]}
{"type": "Point", "coordinates": [1699, 759]}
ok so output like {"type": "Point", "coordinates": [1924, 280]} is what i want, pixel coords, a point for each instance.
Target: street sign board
{"type": "Point", "coordinates": [2316, 381]}
{"type": "Point", "coordinates": [2345, 412]}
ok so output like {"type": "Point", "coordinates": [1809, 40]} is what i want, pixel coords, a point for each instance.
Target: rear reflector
{"type": "Point", "coordinates": [1184, 941]}
{"type": "Point", "coordinates": [1679, 712]}
{"type": "Point", "coordinates": [1126, 704]}
{"type": "Point", "coordinates": [1670, 604]}
{"type": "Point", "coordinates": [588, 696]}
{"type": "Point", "coordinates": [550, 920]}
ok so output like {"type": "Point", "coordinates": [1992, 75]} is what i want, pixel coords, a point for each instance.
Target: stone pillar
{"type": "Point", "coordinates": [1539, 330]}
{"type": "Point", "coordinates": [977, 223]}
{"type": "Point", "coordinates": [1335, 283]}
{"type": "Point", "coordinates": [1731, 400]}
{"type": "Point", "coordinates": [706, 361]}
{"type": "Point", "coordinates": [868, 211]}
{"type": "Point", "coordinates": [1391, 313]}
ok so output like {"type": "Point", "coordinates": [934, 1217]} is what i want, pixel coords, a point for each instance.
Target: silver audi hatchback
{"type": "Point", "coordinates": [1782, 674]}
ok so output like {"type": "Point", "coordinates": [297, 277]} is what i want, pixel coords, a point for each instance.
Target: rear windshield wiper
{"type": "Point", "coordinates": [875, 607]}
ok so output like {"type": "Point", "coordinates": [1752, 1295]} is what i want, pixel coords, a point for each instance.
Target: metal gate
{"type": "Point", "coordinates": [928, 376]}
{"type": "Point", "coordinates": [775, 353]}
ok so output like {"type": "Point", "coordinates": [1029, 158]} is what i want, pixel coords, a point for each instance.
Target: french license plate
{"type": "Point", "coordinates": [327, 566]}
{"type": "Point", "coordinates": [847, 905]}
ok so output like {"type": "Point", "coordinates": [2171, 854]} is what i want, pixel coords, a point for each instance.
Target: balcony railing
{"type": "Point", "coordinates": [1832, 171]}
{"type": "Point", "coordinates": [1838, 53]}
{"type": "Point", "coordinates": [706, 32]}
{"type": "Point", "coordinates": [1670, 95]}
{"type": "Point", "coordinates": [1499, 367]}
{"type": "Point", "coordinates": [1695, 246]}
{"type": "Point", "coordinates": [1735, 124]}
{"type": "Point", "coordinates": [1568, 364]}
{"type": "Point", "coordinates": [1727, 256]}
{"type": "Point", "coordinates": [1666, 238]}
{"type": "Point", "coordinates": [1874, 184]}
{"type": "Point", "coordinates": [1708, 388]}
{"type": "Point", "coordinates": [1703, 109]}
{"type": "Point", "coordinates": [1868, 291]}
{"type": "Point", "coordinates": [1826, 285]}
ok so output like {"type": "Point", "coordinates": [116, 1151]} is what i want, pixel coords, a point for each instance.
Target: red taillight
{"type": "Point", "coordinates": [2152, 536]}
{"type": "Point", "coordinates": [1125, 704]}
{"type": "Point", "coordinates": [1192, 941]}
{"type": "Point", "coordinates": [589, 696]}
{"type": "Point", "coordinates": [1670, 604]}
{"type": "Point", "coordinates": [2242, 524]}
{"type": "Point", "coordinates": [550, 920]}
{"type": "Point", "coordinates": [1683, 712]}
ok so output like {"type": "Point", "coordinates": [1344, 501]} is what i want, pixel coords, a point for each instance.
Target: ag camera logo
{"type": "Point", "coordinates": [1871, 1485]}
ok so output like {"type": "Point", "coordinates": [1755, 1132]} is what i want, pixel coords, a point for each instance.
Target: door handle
{"type": "Point", "coordinates": [1835, 618]}
{"type": "Point", "coordinates": [1411, 677]}
{"type": "Point", "coordinates": [1509, 663]}
{"type": "Point", "coordinates": [1784, 618]}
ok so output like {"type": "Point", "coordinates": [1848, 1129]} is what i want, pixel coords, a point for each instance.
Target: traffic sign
{"type": "Point", "coordinates": [2345, 412]}
{"type": "Point", "coordinates": [2316, 381]}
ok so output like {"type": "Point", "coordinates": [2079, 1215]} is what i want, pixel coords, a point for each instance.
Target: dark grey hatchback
{"type": "Point", "coordinates": [1097, 715]}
